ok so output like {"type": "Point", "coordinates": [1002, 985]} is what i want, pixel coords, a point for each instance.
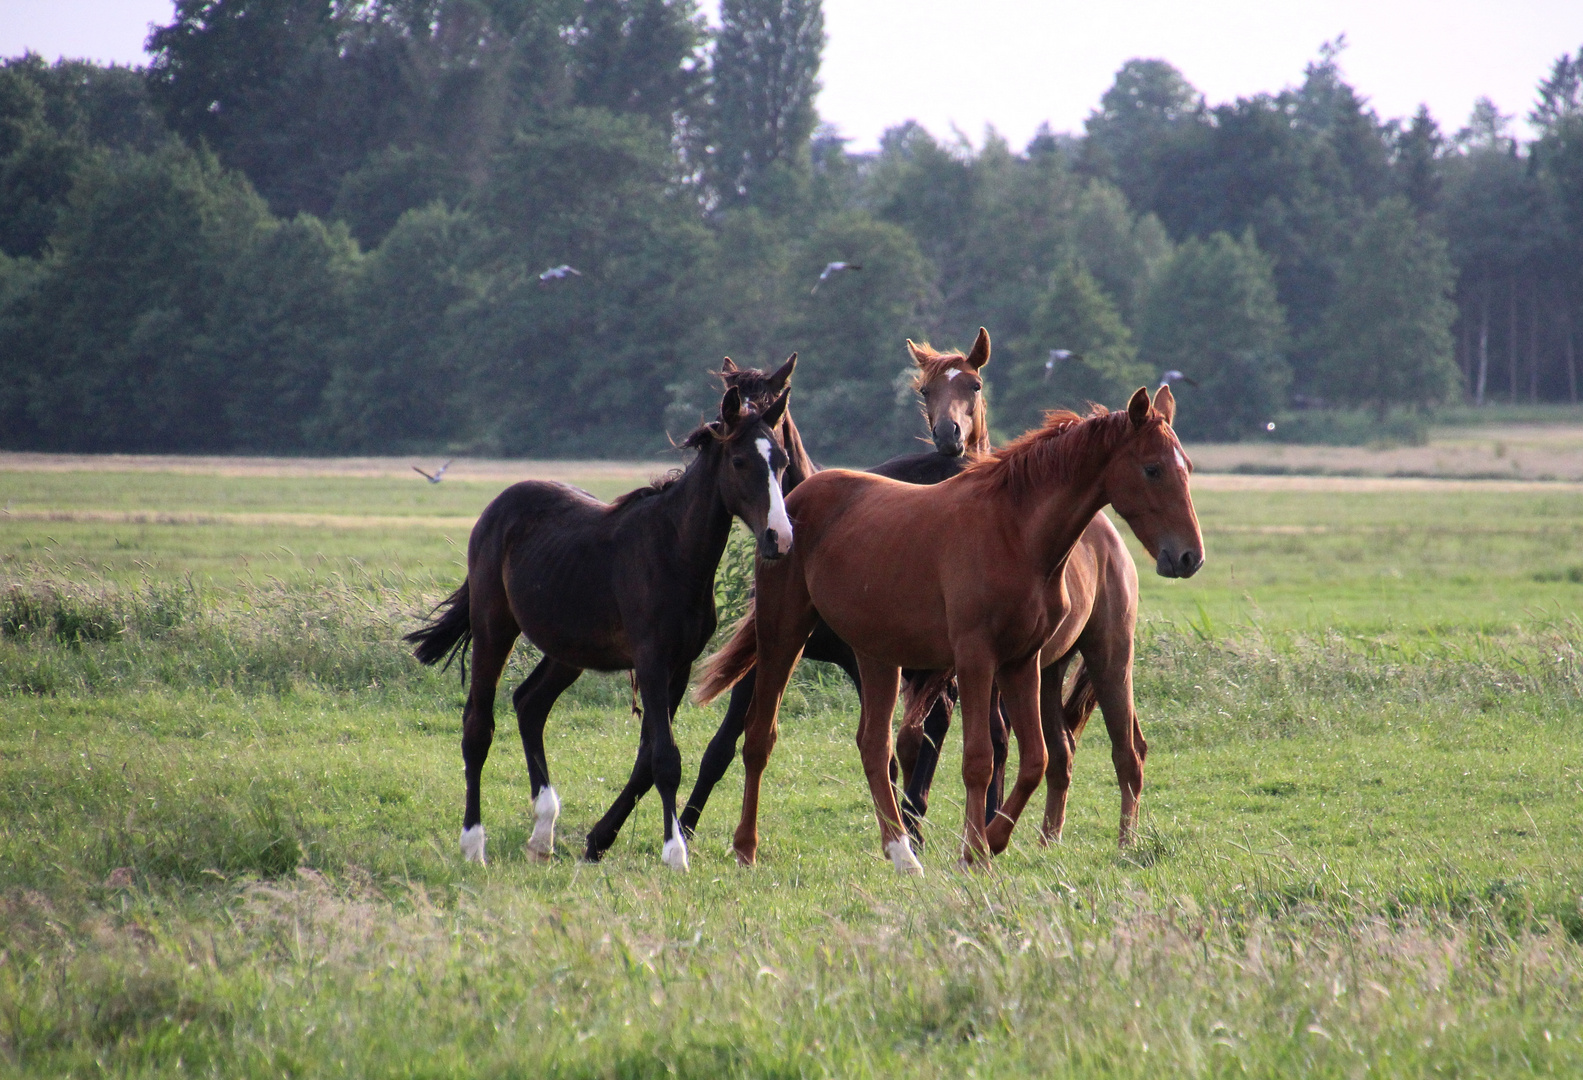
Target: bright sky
{"type": "Point", "coordinates": [1016, 63]}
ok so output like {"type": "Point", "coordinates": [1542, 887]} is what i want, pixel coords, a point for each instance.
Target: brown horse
{"type": "Point", "coordinates": [623, 586]}
{"type": "Point", "coordinates": [956, 576]}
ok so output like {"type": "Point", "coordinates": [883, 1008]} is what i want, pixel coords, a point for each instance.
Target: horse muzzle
{"type": "Point", "coordinates": [1178, 563]}
{"type": "Point", "coordinates": [773, 546]}
{"type": "Point", "coordinates": [947, 436]}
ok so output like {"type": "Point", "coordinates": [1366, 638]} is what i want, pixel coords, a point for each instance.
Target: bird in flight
{"type": "Point", "coordinates": [1172, 377]}
{"type": "Point", "coordinates": [831, 269]}
{"type": "Point", "coordinates": [556, 273]}
{"type": "Point", "coordinates": [1056, 356]}
{"type": "Point", "coordinates": [436, 477]}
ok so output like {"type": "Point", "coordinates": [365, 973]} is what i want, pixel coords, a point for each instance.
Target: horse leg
{"type": "Point", "coordinates": [975, 681]}
{"type": "Point", "coordinates": [720, 752]}
{"type": "Point", "coordinates": [1061, 743]}
{"type": "Point", "coordinates": [1110, 666]}
{"type": "Point", "coordinates": [823, 644]}
{"type": "Point", "coordinates": [494, 633]}
{"type": "Point", "coordinates": [533, 701]}
{"type": "Point", "coordinates": [880, 684]}
{"type": "Point", "coordinates": [667, 765]}
{"type": "Point", "coordinates": [1019, 691]}
{"type": "Point", "coordinates": [785, 617]}
{"type": "Point", "coordinates": [920, 778]}
{"type": "Point", "coordinates": [1000, 748]}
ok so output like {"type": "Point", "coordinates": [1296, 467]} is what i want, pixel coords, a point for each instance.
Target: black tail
{"type": "Point", "coordinates": [448, 633]}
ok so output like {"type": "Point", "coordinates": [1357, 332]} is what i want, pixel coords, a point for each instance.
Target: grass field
{"type": "Point", "coordinates": [229, 804]}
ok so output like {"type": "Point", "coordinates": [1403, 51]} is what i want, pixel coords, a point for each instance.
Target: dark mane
{"type": "Point", "coordinates": [932, 364]}
{"type": "Point", "coordinates": [754, 386]}
{"type": "Point", "coordinates": [1049, 453]}
{"type": "Point", "coordinates": [653, 487]}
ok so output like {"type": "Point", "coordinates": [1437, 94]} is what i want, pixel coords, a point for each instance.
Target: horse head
{"type": "Point", "coordinates": [952, 389]}
{"type": "Point", "coordinates": [752, 462]}
{"type": "Point", "coordinates": [1146, 481]}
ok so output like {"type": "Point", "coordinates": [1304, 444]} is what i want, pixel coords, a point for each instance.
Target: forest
{"type": "Point", "coordinates": [331, 226]}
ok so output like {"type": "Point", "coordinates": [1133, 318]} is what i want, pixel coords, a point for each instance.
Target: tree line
{"type": "Point", "coordinates": [322, 226]}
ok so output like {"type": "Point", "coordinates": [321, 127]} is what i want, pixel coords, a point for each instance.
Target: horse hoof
{"type": "Point", "coordinates": [745, 858]}
{"type": "Point", "coordinates": [473, 845]}
{"type": "Point", "coordinates": [901, 856]}
{"type": "Point", "coordinates": [675, 853]}
{"type": "Point", "coordinates": [539, 856]}
{"type": "Point", "coordinates": [546, 808]}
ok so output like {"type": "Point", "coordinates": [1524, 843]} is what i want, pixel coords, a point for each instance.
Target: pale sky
{"type": "Point", "coordinates": [1017, 63]}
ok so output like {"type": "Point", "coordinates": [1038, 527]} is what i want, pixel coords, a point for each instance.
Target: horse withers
{"type": "Point", "coordinates": [623, 586]}
{"type": "Point", "coordinates": [955, 577]}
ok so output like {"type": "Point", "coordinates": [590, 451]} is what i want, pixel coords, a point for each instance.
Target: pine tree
{"type": "Point", "coordinates": [1388, 334]}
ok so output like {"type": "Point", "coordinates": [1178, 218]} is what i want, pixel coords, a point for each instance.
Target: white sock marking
{"type": "Point", "coordinates": [675, 853]}
{"type": "Point", "coordinates": [900, 852]}
{"type": "Point", "coordinates": [777, 518]}
{"type": "Point", "coordinates": [473, 845]}
{"type": "Point", "coordinates": [546, 808]}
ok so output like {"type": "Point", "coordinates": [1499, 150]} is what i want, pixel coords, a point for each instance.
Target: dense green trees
{"type": "Point", "coordinates": [321, 226]}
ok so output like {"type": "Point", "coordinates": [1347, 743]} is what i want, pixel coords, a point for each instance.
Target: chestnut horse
{"type": "Point", "coordinates": [964, 576]}
{"type": "Point", "coordinates": [952, 392]}
{"type": "Point", "coordinates": [624, 586]}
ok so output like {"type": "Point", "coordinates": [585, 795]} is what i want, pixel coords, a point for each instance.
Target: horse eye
{"type": "Point", "coordinates": [1152, 472]}
{"type": "Point", "coordinates": [738, 461]}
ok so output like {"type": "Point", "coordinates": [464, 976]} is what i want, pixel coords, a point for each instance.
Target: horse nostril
{"type": "Point", "coordinates": [1190, 560]}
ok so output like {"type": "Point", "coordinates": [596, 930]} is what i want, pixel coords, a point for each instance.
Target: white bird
{"type": "Point", "coordinates": [436, 477]}
{"type": "Point", "coordinates": [1170, 378]}
{"type": "Point", "coordinates": [1056, 356]}
{"type": "Point", "coordinates": [556, 273]}
{"type": "Point", "coordinates": [832, 268]}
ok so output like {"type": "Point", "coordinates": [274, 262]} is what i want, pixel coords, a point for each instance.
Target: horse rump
{"type": "Point", "coordinates": [448, 633]}
{"type": "Point", "coordinates": [726, 668]}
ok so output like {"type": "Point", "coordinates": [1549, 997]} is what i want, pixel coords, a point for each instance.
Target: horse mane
{"type": "Point", "coordinates": [653, 487]}
{"type": "Point", "coordinates": [1050, 453]}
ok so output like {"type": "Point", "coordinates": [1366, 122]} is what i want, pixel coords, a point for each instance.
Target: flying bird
{"type": "Point", "coordinates": [830, 269]}
{"type": "Point", "coordinates": [556, 273]}
{"type": "Point", "coordinates": [1056, 356]}
{"type": "Point", "coordinates": [436, 477]}
{"type": "Point", "coordinates": [1172, 377]}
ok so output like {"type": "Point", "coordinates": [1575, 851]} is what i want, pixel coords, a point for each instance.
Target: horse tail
{"type": "Point", "coordinates": [725, 668]}
{"type": "Point", "coordinates": [919, 695]}
{"type": "Point", "coordinates": [448, 633]}
{"type": "Point", "coordinates": [1080, 701]}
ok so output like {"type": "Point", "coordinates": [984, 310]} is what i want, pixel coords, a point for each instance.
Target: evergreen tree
{"type": "Point", "coordinates": [638, 56]}
{"type": "Point", "coordinates": [1417, 162]}
{"type": "Point", "coordinates": [1212, 314]}
{"type": "Point", "coordinates": [1388, 334]}
{"type": "Point", "coordinates": [1148, 112]}
{"type": "Point", "coordinates": [763, 79]}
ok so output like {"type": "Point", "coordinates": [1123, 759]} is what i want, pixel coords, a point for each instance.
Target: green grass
{"type": "Point", "coordinates": [229, 804]}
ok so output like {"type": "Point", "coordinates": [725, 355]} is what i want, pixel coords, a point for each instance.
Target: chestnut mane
{"type": "Point", "coordinates": [932, 364]}
{"type": "Point", "coordinates": [1050, 453]}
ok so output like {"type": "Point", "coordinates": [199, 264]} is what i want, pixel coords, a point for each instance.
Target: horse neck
{"type": "Point", "coordinates": [693, 506]}
{"type": "Point", "coordinates": [1062, 502]}
{"type": "Point", "coordinates": [980, 447]}
{"type": "Point", "coordinates": [799, 466]}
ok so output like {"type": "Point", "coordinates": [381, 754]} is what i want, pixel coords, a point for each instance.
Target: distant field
{"type": "Point", "coordinates": [229, 803]}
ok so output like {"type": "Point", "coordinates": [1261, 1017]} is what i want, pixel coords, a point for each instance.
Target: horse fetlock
{"type": "Point", "coordinates": [546, 808]}
{"type": "Point", "coordinates": [473, 845]}
{"type": "Point", "coordinates": [902, 857]}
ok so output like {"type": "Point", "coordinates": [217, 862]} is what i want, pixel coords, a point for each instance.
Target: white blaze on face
{"type": "Point", "coordinates": [546, 808]}
{"type": "Point", "coordinates": [675, 851]}
{"type": "Point", "coordinates": [777, 516]}
{"type": "Point", "coordinates": [473, 845]}
{"type": "Point", "coordinates": [901, 856]}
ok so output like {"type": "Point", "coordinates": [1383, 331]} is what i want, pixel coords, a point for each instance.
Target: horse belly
{"type": "Point", "coordinates": [571, 615]}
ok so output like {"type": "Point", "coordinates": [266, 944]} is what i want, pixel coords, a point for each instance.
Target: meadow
{"type": "Point", "coordinates": [229, 805]}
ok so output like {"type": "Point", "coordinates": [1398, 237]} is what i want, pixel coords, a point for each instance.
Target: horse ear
{"type": "Point", "coordinates": [1138, 407]}
{"type": "Point", "coordinates": [727, 366]}
{"type": "Point", "coordinates": [772, 415]}
{"type": "Point", "coordinates": [980, 354]}
{"type": "Point", "coordinates": [731, 406]}
{"type": "Point", "coordinates": [1165, 404]}
{"type": "Point", "coordinates": [783, 373]}
{"type": "Point", "coordinates": [912, 350]}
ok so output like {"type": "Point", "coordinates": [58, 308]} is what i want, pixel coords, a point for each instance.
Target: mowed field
{"type": "Point", "coordinates": [229, 806]}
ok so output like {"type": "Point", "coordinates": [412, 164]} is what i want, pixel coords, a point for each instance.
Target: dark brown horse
{"type": "Point", "coordinates": [962, 576]}
{"type": "Point", "coordinates": [624, 586]}
{"type": "Point", "coordinates": [951, 389]}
